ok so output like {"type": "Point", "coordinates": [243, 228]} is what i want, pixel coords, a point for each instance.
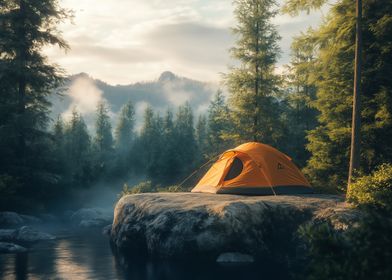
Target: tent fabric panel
{"type": "Point", "coordinates": [234, 170]}
{"type": "Point", "coordinates": [212, 178]}
{"type": "Point", "coordinates": [281, 171]}
{"type": "Point", "coordinates": [263, 167]}
{"type": "Point", "coordinates": [250, 175]}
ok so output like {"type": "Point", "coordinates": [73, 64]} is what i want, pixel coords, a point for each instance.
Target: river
{"type": "Point", "coordinates": [87, 255]}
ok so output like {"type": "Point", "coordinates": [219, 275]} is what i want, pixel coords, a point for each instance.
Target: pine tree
{"type": "Point", "coordinates": [26, 81]}
{"type": "Point", "coordinates": [59, 140]}
{"type": "Point", "coordinates": [219, 125]}
{"type": "Point", "coordinates": [253, 85]}
{"type": "Point", "coordinates": [103, 130]}
{"type": "Point", "coordinates": [201, 135]}
{"type": "Point", "coordinates": [329, 143]}
{"type": "Point", "coordinates": [77, 146]}
{"type": "Point", "coordinates": [301, 116]}
{"type": "Point", "coordinates": [148, 148]}
{"type": "Point", "coordinates": [103, 143]}
{"type": "Point", "coordinates": [124, 131]}
{"type": "Point", "coordinates": [186, 140]}
{"type": "Point", "coordinates": [169, 161]}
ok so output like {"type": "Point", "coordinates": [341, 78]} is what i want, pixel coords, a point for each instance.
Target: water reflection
{"type": "Point", "coordinates": [88, 256]}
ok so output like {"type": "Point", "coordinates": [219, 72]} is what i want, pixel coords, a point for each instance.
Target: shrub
{"type": "Point", "coordinates": [360, 253]}
{"type": "Point", "coordinates": [142, 187]}
{"type": "Point", "coordinates": [148, 187]}
{"type": "Point", "coordinates": [374, 189]}
{"type": "Point", "coordinates": [174, 188]}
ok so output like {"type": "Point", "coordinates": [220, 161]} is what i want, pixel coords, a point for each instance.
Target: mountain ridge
{"type": "Point", "coordinates": [169, 90]}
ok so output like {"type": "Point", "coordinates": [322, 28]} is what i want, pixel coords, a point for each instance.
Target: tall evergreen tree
{"type": "Point", "coordinates": [219, 125]}
{"type": "Point", "coordinates": [149, 144]}
{"type": "Point", "coordinates": [125, 128]}
{"type": "Point", "coordinates": [77, 146]}
{"type": "Point", "coordinates": [59, 140]}
{"type": "Point", "coordinates": [253, 84]}
{"type": "Point", "coordinates": [335, 40]}
{"type": "Point", "coordinates": [26, 81]}
{"type": "Point", "coordinates": [103, 142]}
{"type": "Point", "coordinates": [201, 135]}
{"type": "Point", "coordinates": [103, 130]}
{"type": "Point", "coordinates": [169, 161]}
{"type": "Point", "coordinates": [301, 116]}
{"type": "Point", "coordinates": [186, 140]}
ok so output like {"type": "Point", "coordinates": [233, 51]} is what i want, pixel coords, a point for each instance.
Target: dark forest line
{"type": "Point", "coordinates": [305, 112]}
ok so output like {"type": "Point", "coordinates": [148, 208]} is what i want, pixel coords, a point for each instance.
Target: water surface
{"type": "Point", "coordinates": [88, 255]}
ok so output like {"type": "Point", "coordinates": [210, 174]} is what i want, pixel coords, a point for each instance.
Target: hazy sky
{"type": "Point", "coordinates": [125, 41]}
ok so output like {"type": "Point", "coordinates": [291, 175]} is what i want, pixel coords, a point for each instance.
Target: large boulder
{"type": "Point", "coordinates": [208, 226]}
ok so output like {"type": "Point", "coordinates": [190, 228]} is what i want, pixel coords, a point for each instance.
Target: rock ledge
{"type": "Point", "coordinates": [189, 225]}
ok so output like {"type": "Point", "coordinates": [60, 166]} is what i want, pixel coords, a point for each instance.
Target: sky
{"type": "Point", "coordinates": [128, 41]}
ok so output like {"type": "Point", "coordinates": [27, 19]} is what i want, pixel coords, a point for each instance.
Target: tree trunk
{"type": "Point", "coordinates": [22, 53]}
{"type": "Point", "coordinates": [356, 117]}
{"type": "Point", "coordinates": [256, 112]}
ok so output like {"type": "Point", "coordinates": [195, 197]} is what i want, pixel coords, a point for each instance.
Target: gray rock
{"type": "Point", "coordinates": [234, 257]}
{"type": "Point", "coordinates": [91, 217]}
{"type": "Point", "coordinates": [190, 225]}
{"type": "Point", "coordinates": [27, 234]}
{"type": "Point", "coordinates": [6, 247]}
{"type": "Point", "coordinates": [341, 218]}
{"type": "Point", "coordinates": [24, 235]}
{"type": "Point", "coordinates": [10, 219]}
{"type": "Point", "coordinates": [107, 229]}
{"type": "Point", "coordinates": [7, 234]}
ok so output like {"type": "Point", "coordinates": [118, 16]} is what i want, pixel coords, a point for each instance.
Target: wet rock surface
{"type": "Point", "coordinates": [25, 235]}
{"type": "Point", "coordinates": [19, 232]}
{"type": "Point", "coordinates": [7, 247]}
{"type": "Point", "coordinates": [206, 226]}
{"type": "Point", "coordinates": [91, 218]}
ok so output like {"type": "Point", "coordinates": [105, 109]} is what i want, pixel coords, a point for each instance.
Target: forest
{"type": "Point", "coordinates": [304, 111]}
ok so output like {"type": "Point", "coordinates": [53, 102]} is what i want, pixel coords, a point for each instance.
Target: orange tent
{"type": "Point", "coordinates": [253, 169]}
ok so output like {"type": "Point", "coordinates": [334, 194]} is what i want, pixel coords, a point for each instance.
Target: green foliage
{"type": "Point", "coordinates": [103, 129]}
{"type": "Point", "coordinates": [201, 134]}
{"type": "Point", "coordinates": [374, 189]}
{"type": "Point", "coordinates": [26, 82]}
{"type": "Point", "coordinates": [143, 187]}
{"type": "Point", "coordinates": [359, 253]}
{"type": "Point", "coordinates": [253, 86]}
{"type": "Point", "coordinates": [363, 250]}
{"type": "Point", "coordinates": [293, 7]}
{"type": "Point", "coordinates": [329, 142]}
{"type": "Point", "coordinates": [148, 187]}
{"type": "Point", "coordinates": [299, 115]}
{"type": "Point", "coordinates": [125, 126]}
{"type": "Point", "coordinates": [219, 126]}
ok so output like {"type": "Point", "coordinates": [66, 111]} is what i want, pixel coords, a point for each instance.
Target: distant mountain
{"type": "Point", "coordinates": [168, 91]}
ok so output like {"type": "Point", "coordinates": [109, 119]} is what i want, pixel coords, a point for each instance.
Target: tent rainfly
{"type": "Point", "coordinates": [254, 169]}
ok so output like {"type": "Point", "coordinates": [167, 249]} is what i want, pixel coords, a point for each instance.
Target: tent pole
{"type": "Point", "coordinates": [194, 172]}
